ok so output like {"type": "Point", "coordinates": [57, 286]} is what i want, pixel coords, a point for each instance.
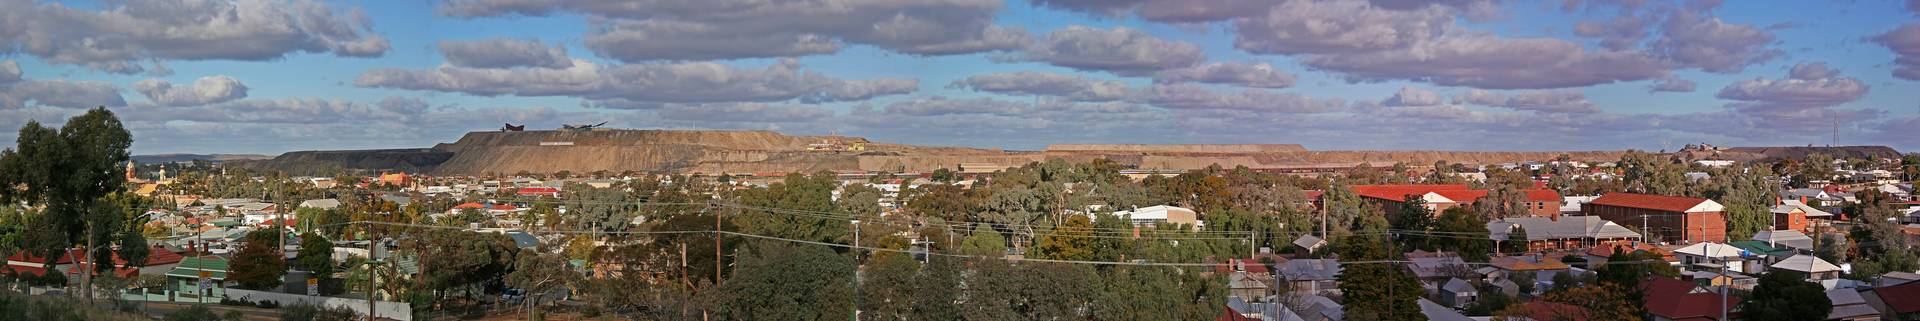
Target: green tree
{"type": "Point", "coordinates": [1158, 293]}
{"type": "Point", "coordinates": [1785, 295]}
{"type": "Point", "coordinates": [887, 291]}
{"type": "Point", "coordinates": [1749, 197]}
{"type": "Point", "coordinates": [260, 263]}
{"type": "Point", "coordinates": [316, 255]}
{"type": "Point", "coordinates": [1376, 291]}
{"type": "Point", "coordinates": [984, 242]}
{"type": "Point", "coordinates": [69, 173]}
{"type": "Point", "coordinates": [1462, 231]}
{"type": "Point", "coordinates": [787, 282]}
{"type": "Point", "coordinates": [1029, 291]}
{"type": "Point", "coordinates": [308, 312]}
{"type": "Point", "coordinates": [792, 209]}
{"type": "Point", "coordinates": [1412, 216]}
{"type": "Point", "coordinates": [1626, 268]}
{"type": "Point", "coordinates": [935, 291]}
{"type": "Point", "coordinates": [461, 260]}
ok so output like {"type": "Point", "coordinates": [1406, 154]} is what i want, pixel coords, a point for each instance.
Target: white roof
{"type": "Point", "coordinates": [1787, 206]}
{"type": "Point", "coordinates": [1710, 249]}
{"type": "Point", "coordinates": [1788, 238]}
{"type": "Point", "coordinates": [1806, 264]}
{"type": "Point", "coordinates": [1567, 227]}
{"type": "Point", "coordinates": [1156, 212]}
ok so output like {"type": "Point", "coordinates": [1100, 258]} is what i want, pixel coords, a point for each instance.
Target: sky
{"type": "Point", "coordinates": [271, 76]}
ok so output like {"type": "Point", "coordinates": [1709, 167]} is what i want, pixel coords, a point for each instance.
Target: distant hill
{"type": "Point", "coordinates": [182, 158]}
{"type": "Point", "coordinates": [1778, 153]}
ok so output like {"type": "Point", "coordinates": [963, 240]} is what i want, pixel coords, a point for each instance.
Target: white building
{"type": "Point", "coordinates": [1161, 214]}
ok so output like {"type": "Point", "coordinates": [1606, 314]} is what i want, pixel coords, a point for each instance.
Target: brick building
{"type": "Point", "coordinates": [1668, 218]}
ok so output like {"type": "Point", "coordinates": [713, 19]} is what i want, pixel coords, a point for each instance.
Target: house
{"type": "Point", "coordinates": [1434, 268]}
{"type": "Point", "coordinates": [1763, 253]}
{"type": "Point", "coordinates": [1436, 312]}
{"type": "Point", "coordinates": [1572, 204]}
{"type": "Point", "coordinates": [1311, 276]}
{"type": "Point", "coordinates": [538, 191]}
{"type": "Point", "coordinates": [324, 204]}
{"type": "Point", "coordinates": [1151, 216]}
{"type": "Point", "coordinates": [1895, 302]}
{"type": "Point", "coordinates": [1848, 305]}
{"type": "Point", "coordinates": [1669, 218]}
{"type": "Point", "coordinates": [185, 278]}
{"type": "Point", "coordinates": [1572, 232]}
{"type": "Point", "coordinates": [1238, 309]}
{"type": "Point", "coordinates": [1816, 269]}
{"type": "Point", "coordinates": [1600, 253]}
{"type": "Point", "coordinates": [1317, 308]}
{"type": "Point", "coordinates": [1715, 255]}
{"type": "Point", "coordinates": [1674, 299]}
{"type": "Point", "coordinates": [1440, 197]}
{"type": "Point", "coordinates": [1786, 238]}
{"type": "Point", "coordinates": [1792, 215]}
{"type": "Point", "coordinates": [1457, 293]}
{"type": "Point", "coordinates": [1306, 244]}
{"type": "Point", "coordinates": [1895, 278]}
{"type": "Point", "coordinates": [1249, 285]}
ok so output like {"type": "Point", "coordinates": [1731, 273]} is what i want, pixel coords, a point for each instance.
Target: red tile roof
{"type": "Point", "coordinates": [1674, 299]}
{"type": "Point", "coordinates": [1645, 201]}
{"type": "Point", "coordinates": [1541, 310]}
{"type": "Point", "coordinates": [1228, 314]}
{"type": "Point", "coordinates": [469, 205]}
{"type": "Point", "coordinates": [538, 191]}
{"type": "Point", "coordinates": [1903, 298]}
{"type": "Point", "coordinates": [1251, 266]}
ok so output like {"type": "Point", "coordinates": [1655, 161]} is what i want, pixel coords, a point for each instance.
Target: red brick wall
{"type": "Point", "coordinates": [1791, 221]}
{"type": "Point", "coordinates": [1707, 227]}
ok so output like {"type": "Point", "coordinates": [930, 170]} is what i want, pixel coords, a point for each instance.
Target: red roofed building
{"type": "Point", "coordinates": [1668, 218]}
{"type": "Point", "coordinates": [1678, 300]}
{"type": "Point", "coordinates": [538, 191]}
{"type": "Point", "coordinates": [1440, 197]}
{"type": "Point", "coordinates": [1896, 302]}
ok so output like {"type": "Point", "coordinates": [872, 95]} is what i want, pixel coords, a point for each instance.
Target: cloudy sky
{"type": "Point", "coordinates": [269, 76]}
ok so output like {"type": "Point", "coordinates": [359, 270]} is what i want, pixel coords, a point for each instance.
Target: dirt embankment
{"type": "Point", "coordinates": [336, 161]}
{"type": "Point", "coordinates": [1178, 148]}
{"type": "Point", "coordinates": [1778, 153]}
{"type": "Point", "coordinates": [709, 151]}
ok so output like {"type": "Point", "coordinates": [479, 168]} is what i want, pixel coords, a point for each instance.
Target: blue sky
{"type": "Point", "coordinates": [270, 76]}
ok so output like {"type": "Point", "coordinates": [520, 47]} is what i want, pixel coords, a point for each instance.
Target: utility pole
{"type": "Point", "coordinates": [856, 270]}
{"type": "Point", "coordinates": [372, 277]}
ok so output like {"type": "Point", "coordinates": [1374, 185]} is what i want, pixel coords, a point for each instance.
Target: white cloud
{"type": "Point", "coordinates": [1260, 75]}
{"type": "Point", "coordinates": [1120, 50]}
{"type": "Point", "coordinates": [126, 32]}
{"type": "Point", "coordinates": [206, 90]}
{"type": "Point", "coordinates": [1045, 84]}
{"type": "Point", "coordinates": [504, 53]}
{"type": "Point", "coordinates": [695, 82]}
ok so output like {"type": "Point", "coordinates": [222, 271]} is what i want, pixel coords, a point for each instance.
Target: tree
{"type": "Point", "coordinates": [69, 172]}
{"type": "Point", "coordinates": [776, 281]}
{"type": "Point", "coordinates": [998, 290]}
{"type": "Point", "coordinates": [1070, 241]}
{"type": "Point", "coordinates": [541, 274]}
{"type": "Point", "coordinates": [1376, 291]}
{"type": "Point", "coordinates": [934, 291]}
{"type": "Point", "coordinates": [1412, 215]}
{"type": "Point", "coordinates": [1158, 293]}
{"type": "Point", "coordinates": [1748, 197]}
{"type": "Point", "coordinates": [887, 289]}
{"type": "Point", "coordinates": [316, 255]}
{"type": "Point", "coordinates": [984, 242]}
{"type": "Point", "coordinates": [459, 260]}
{"type": "Point", "coordinates": [792, 209]}
{"type": "Point", "coordinates": [1605, 302]}
{"type": "Point", "coordinates": [1625, 269]}
{"type": "Point", "coordinates": [1462, 231]}
{"type": "Point", "coordinates": [1785, 295]}
{"type": "Point", "coordinates": [260, 263]}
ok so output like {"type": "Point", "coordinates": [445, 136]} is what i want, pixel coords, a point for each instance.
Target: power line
{"type": "Point", "coordinates": [878, 249]}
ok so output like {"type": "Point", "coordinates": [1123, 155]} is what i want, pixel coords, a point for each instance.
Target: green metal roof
{"type": "Point", "coordinates": [1758, 247]}
{"type": "Point", "coordinates": [191, 267]}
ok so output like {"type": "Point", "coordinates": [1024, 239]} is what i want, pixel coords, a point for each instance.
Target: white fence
{"type": "Point", "coordinates": [388, 310]}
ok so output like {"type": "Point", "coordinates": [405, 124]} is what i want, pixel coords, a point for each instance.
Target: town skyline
{"type": "Point", "coordinates": [267, 77]}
